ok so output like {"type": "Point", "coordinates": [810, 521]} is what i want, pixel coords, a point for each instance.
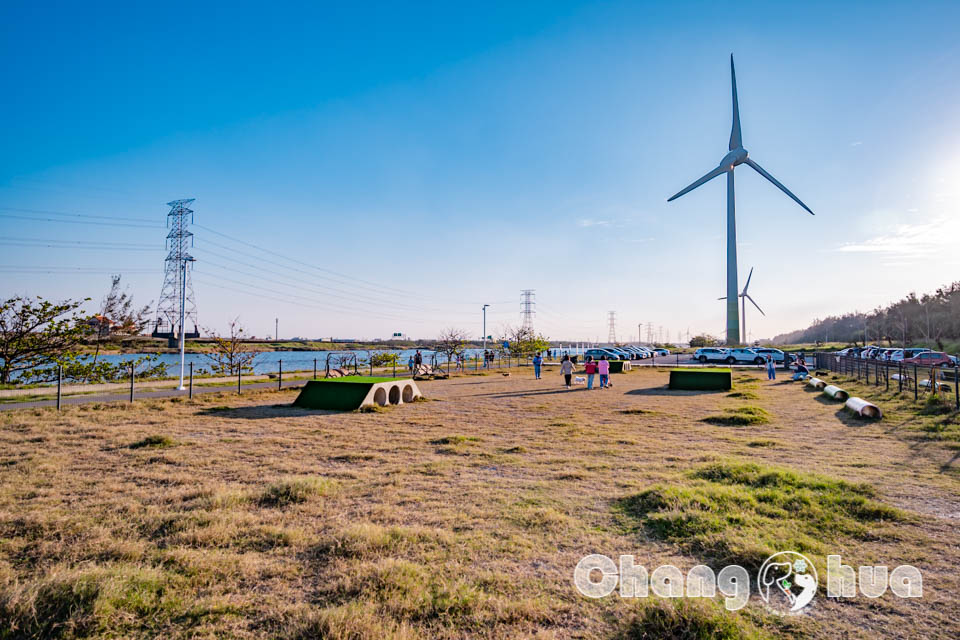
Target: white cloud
{"type": "Point", "coordinates": [909, 240]}
{"type": "Point", "coordinates": [590, 222]}
{"type": "Point", "coordinates": [857, 143]}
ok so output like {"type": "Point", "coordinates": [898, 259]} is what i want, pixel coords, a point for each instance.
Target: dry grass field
{"type": "Point", "coordinates": [464, 516]}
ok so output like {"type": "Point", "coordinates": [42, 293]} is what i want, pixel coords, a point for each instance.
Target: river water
{"type": "Point", "coordinates": [269, 361]}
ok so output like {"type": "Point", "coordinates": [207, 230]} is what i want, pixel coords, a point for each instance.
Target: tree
{"type": "Point", "coordinates": [231, 354]}
{"type": "Point", "coordinates": [35, 333]}
{"type": "Point", "coordinates": [704, 340]}
{"type": "Point", "coordinates": [117, 318]}
{"type": "Point", "coordinates": [452, 342]}
{"type": "Point", "coordinates": [522, 341]}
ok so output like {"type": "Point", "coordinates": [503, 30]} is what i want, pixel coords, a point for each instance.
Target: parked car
{"type": "Point", "coordinates": [710, 354]}
{"type": "Point", "coordinates": [776, 354]}
{"type": "Point", "coordinates": [849, 351]}
{"type": "Point", "coordinates": [662, 352]}
{"type": "Point", "coordinates": [743, 355]}
{"type": "Point", "coordinates": [636, 353]}
{"type": "Point", "coordinates": [930, 359]}
{"type": "Point", "coordinates": [645, 352]}
{"type": "Point", "coordinates": [913, 351]}
{"type": "Point", "coordinates": [598, 352]}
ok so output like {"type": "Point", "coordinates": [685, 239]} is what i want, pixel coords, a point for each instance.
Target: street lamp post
{"type": "Point", "coordinates": [183, 295]}
{"type": "Point", "coordinates": [485, 327]}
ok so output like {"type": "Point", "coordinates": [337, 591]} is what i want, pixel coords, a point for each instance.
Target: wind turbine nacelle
{"type": "Point", "coordinates": [735, 157]}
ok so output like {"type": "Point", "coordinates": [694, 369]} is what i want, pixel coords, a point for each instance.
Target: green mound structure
{"type": "Point", "coordinates": [701, 379]}
{"type": "Point", "coordinates": [352, 392]}
{"type": "Point", "coordinates": [619, 366]}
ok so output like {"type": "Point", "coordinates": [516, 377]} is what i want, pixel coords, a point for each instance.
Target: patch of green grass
{"type": "Point", "coordinates": [455, 439]}
{"type": "Point", "coordinates": [739, 417]}
{"type": "Point", "coordinates": [77, 603]}
{"type": "Point", "coordinates": [636, 412]}
{"type": "Point", "coordinates": [296, 490]}
{"type": "Point", "coordinates": [740, 513]}
{"type": "Point", "coordinates": [935, 406]}
{"type": "Point", "coordinates": [762, 443]}
{"type": "Point", "coordinates": [154, 442]}
{"type": "Point", "coordinates": [372, 408]}
{"type": "Point", "coordinates": [687, 619]}
{"type": "Point", "coordinates": [743, 395]}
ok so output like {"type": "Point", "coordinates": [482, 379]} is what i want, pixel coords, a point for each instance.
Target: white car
{"type": "Point", "coordinates": [710, 354]}
{"type": "Point", "coordinates": [743, 355]}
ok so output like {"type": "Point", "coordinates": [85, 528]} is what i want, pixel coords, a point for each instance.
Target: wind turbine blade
{"type": "Point", "coordinates": [723, 298]}
{"type": "Point", "coordinates": [755, 304]}
{"type": "Point", "coordinates": [735, 141]}
{"type": "Point", "coordinates": [769, 177]}
{"type": "Point", "coordinates": [710, 176]}
{"type": "Point", "coordinates": [747, 286]}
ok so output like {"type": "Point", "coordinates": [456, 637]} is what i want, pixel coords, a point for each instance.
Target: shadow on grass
{"type": "Point", "coordinates": [260, 412]}
{"type": "Point", "coordinates": [667, 391]}
{"type": "Point", "coordinates": [531, 394]}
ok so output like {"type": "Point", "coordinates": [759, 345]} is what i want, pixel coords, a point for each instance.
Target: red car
{"type": "Point", "coordinates": [930, 359]}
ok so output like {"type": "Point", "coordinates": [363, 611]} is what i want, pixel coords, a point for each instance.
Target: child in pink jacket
{"type": "Point", "coordinates": [603, 368]}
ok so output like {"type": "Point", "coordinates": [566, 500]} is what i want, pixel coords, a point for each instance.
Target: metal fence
{"type": "Point", "coordinates": [280, 374]}
{"type": "Point", "coordinates": [897, 376]}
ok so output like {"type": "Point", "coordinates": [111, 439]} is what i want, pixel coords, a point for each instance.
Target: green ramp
{"type": "Point", "coordinates": [352, 392]}
{"type": "Point", "coordinates": [701, 379]}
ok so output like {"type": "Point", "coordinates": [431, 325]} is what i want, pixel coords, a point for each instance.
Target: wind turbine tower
{"type": "Point", "coordinates": [737, 155]}
{"type": "Point", "coordinates": [612, 334]}
{"type": "Point", "coordinates": [744, 296]}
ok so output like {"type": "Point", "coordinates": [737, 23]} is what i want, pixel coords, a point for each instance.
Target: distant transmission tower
{"type": "Point", "coordinates": [527, 311]}
{"type": "Point", "coordinates": [177, 305]}
{"type": "Point", "coordinates": [650, 332]}
{"type": "Point", "coordinates": [612, 334]}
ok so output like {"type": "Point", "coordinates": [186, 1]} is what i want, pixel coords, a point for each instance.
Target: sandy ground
{"type": "Point", "coordinates": [488, 494]}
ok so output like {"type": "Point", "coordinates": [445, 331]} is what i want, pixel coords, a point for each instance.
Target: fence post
{"type": "Point", "coordinates": [956, 387]}
{"type": "Point", "coordinates": [371, 365]}
{"type": "Point", "coordinates": [239, 372]}
{"type": "Point", "coordinates": [132, 373]}
{"type": "Point", "coordinates": [315, 368]}
{"type": "Point", "coordinates": [395, 365]}
{"type": "Point", "coordinates": [866, 373]}
{"type": "Point", "coordinates": [59, 385]}
{"type": "Point", "coordinates": [886, 374]}
{"type": "Point", "coordinates": [915, 381]}
{"type": "Point", "coordinates": [279, 375]}
{"type": "Point", "coordinates": [900, 377]}
{"type": "Point", "coordinates": [190, 395]}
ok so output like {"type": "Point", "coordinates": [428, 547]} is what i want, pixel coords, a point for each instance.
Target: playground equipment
{"type": "Point", "coordinates": [940, 386]}
{"type": "Point", "coordinates": [835, 392]}
{"type": "Point", "coordinates": [342, 363]}
{"type": "Point", "coordinates": [352, 392]}
{"type": "Point", "coordinates": [701, 379]}
{"type": "Point", "coordinates": [863, 408]}
{"type": "Point", "coordinates": [816, 383]}
{"type": "Point", "coordinates": [619, 366]}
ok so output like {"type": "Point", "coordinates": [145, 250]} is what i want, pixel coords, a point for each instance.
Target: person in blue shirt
{"type": "Point", "coordinates": [537, 362]}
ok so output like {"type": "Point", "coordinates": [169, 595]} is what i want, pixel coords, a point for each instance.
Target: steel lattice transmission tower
{"type": "Point", "coordinates": [527, 311]}
{"type": "Point", "coordinates": [176, 296]}
{"type": "Point", "coordinates": [612, 335]}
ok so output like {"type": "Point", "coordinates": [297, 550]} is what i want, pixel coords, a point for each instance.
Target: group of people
{"type": "Point", "coordinates": [591, 367]}
{"type": "Point", "coordinates": [802, 370]}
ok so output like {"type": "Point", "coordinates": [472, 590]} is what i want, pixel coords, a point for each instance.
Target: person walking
{"type": "Point", "coordinates": [771, 368]}
{"type": "Point", "coordinates": [566, 368]}
{"type": "Point", "coordinates": [590, 368]}
{"type": "Point", "coordinates": [410, 364]}
{"type": "Point", "coordinates": [603, 368]}
{"type": "Point", "coordinates": [537, 362]}
{"type": "Point", "coordinates": [417, 361]}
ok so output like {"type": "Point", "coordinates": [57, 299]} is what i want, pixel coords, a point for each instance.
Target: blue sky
{"type": "Point", "coordinates": [440, 156]}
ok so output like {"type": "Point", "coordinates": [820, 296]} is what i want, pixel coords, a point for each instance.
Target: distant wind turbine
{"type": "Point", "coordinates": [736, 156]}
{"type": "Point", "coordinates": [744, 296]}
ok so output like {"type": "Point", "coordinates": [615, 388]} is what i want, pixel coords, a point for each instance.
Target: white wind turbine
{"type": "Point", "coordinates": [736, 156]}
{"type": "Point", "coordinates": [744, 296]}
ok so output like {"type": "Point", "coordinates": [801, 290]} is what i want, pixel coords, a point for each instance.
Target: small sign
{"type": "Point", "coordinates": [506, 345]}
